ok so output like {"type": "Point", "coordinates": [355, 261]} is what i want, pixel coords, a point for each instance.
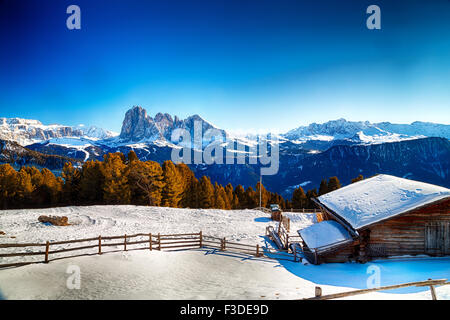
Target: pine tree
{"type": "Point", "coordinates": [220, 197]}
{"type": "Point", "coordinates": [310, 194]}
{"type": "Point", "coordinates": [251, 197]}
{"type": "Point", "coordinates": [299, 199]}
{"type": "Point", "coordinates": [91, 182]}
{"type": "Point", "coordinates": [333, 184]}
{"type": "Point", "coordinates": [206, 193]}
{"type": "Point", "coordinates": [240, 194]}
{"type": "Point", "coordinates": [51, 188]}
{"type": "Point", "coordinates": [25, 189]}
{"type": "Point", "coordinates": [358, 178]}
{"type": "Point", "coordinates": [187, 178]}
{"type": "Point", "coordinates": [235, 202]}
{"type": "Point", "coordinates": [173, 185]}
{"type": "Point", "coordinates": [194, 198]}
{"type": "Point", "coordinates": [132, 157]}
{"type": "Point", "coordinates": [288, 204]}
{"type": "Point", "coordinates": [116, 189]}
{"type": "Point", "coordinates": [8, 185]}
{"type": "Point", "coordinates": [323, 187]}
{"type": "Point", "coordinates": [230, 195]}
{"type": "Point", "coordinates": [71, 178]}
{"type": "Point", "coordinates": [146, 182]}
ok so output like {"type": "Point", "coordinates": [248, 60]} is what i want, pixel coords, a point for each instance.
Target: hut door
{"type": "Point", "coordinates": [437, 238]}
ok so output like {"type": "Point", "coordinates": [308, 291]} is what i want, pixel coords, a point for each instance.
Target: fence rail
{"type": "Point", "coordinates": [147, 241]}
{"type": "Point", "coordinates": [427, 283]}
{"type": "Point", "coordinates": [303, 210]}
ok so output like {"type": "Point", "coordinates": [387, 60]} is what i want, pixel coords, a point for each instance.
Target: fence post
{"type": "Point", "coordinates": [99, 244]}
{"type": "Point", "coordinates": [295, 252]}
{"type": "Point", "coordinates": [222, 244]}
{"type": "Point", "coordinates": [201, 239]}
{"type": "Point", "coordinates": [125, 243]}
{"type": "Point", "coordinates": [318, 292]}
{"type": "Point", "coordinates": [433, 292]}
{"type": "Point", "coordinates": [47, 248]}
{"type": "Point", "coordinates": [150, 239]}
{"type": "Point", "coordinates": [257, 250]}
{"type": "Point", "coordinates": [159, 242]}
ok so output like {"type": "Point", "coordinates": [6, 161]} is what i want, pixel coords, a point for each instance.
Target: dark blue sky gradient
{"type": "Point", "coordinates": [248, 64]}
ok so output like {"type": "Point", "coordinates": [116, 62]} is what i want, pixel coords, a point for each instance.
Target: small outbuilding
{"type": "Point", "coordinates": [379, 217]}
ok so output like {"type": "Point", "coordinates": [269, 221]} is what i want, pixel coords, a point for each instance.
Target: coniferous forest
{"type": "Point", "coordinates": [120, 179]}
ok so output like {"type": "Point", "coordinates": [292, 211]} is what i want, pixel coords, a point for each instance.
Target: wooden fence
{"type": "Point", "coordinates": [428, 283]}
{"type": "Point", "coordinates": [303, 210]}
{"type": "Point", "coordinates": [147, 241]}
{"type": "Point", "coordinates": [125, 242]}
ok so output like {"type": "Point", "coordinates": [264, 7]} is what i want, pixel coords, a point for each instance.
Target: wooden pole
{"type": "Point", "coordinates": [295, 252]}
{"type": "Point", "coordinates": [201, 239]}
{"type": "Point", "coordinates": [260, 189]}
{"type": "Point", "coordinates": [257, 250]}
{"type": "Point", "coordinates": [47, 248]}
{"type": "Point", "coordinates": [433, 292]}
{"type": "Point", "coordinates": [125, 243]}
{"type": "Point", "coordinates": [150, 239]}
{"type": "Point", "coordinates": [224, 242]}
{"type": "Point", "coordinates": [159, 242]}
{"type": "Point", "coordinates": [279, 225]}
{"type": "Point", "coordinates": [99, 244]}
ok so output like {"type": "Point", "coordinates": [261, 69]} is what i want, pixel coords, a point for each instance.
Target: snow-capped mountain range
{"type": "Point", "coordinates": [26, 131]}
{"type": "Point", "coordinates": [366, 132]}
{"type": "Point", "coordinates": [419, 150]}
{"type": "Point", "coordinates": [139, 127]}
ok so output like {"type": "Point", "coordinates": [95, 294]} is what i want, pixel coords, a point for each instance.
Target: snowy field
{"type": "Point", "coordinates": [192, 274]}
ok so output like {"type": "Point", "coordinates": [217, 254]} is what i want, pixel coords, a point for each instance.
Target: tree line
{"type": "Point", "coordinates": [127, 180]}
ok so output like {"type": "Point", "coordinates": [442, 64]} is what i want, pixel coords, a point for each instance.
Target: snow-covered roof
{"type": "Point", "coordinates": [381, 197]}
{"type": "Point", "coordinates": [324, 234]}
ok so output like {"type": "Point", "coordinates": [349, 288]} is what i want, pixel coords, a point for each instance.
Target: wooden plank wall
{"type": "Point", "coordinates": [403, 235]}
{"type": "Point", "coordinates": [407, 234]}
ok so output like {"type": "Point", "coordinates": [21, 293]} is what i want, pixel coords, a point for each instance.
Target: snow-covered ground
{"type": "Point", "coordinates": [193, 274]}
{"type": "Point", "coordinates": [246, 226]}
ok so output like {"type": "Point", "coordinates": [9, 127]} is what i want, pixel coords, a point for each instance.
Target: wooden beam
{"type": "Point", "coordinates": [362, 291]}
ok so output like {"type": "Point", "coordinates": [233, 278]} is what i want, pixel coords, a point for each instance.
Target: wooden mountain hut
{"type": "Point", "coordinates": [380, 217]}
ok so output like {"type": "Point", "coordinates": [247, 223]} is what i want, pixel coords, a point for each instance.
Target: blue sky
{"type": "Point", "coordinates": [242, 65]}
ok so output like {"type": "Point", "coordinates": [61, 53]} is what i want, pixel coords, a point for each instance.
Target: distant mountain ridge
{"type": "Point", "coordinates": [367, 132]}
{"type": "Point", "coordinates": [16, 155]}
{"type": "Point", "coordinates": [308, 154]}
{"type": "Point", "coordinates": [26, 131]}
{"type": "Point", "coordinates": [138, 126]}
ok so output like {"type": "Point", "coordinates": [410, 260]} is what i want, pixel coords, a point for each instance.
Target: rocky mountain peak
{"type": "Point", "coordinates": [136, 124]}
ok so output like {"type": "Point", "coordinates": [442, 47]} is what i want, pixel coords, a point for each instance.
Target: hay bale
{"type": "Point", "coordinates": [54, 220]}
